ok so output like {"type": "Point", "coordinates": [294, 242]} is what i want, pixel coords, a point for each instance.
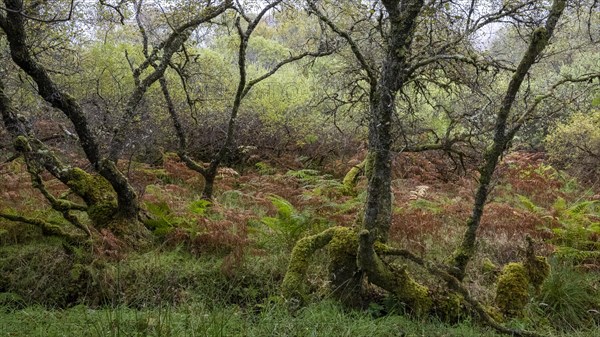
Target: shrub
{"type": "Point", "coordinates": [575, 144]}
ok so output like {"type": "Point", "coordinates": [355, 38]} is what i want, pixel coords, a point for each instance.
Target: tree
{"type": "Point", "coordinates": [404, 54]}
{"type": "Point", "coordinates": [575, 145]}
{"type": "Point", "coordinates": [111, 201]}
{"type": "Point", "coordinates": [244, 86]}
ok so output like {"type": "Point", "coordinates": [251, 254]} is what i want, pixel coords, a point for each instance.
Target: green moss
{"type": "Point", "coordinates": [449, 307]}
{"type": "Point", "coordinates": [512, 292]}
{"type": "Point", "coordinates": [537, 267]}
{"type": "Point", "coordinates": [417, 296]}
{"type": "Point", "coordinates": [459, 260]}
{"type": "Point", "coordinates": [293, 286]}
{"type": "Point", "coordinates": [538, 270]}
{"type": "Point", "coordinates": [351, 177]}
{"type": "Point", "coordinates": [343, 270]}
{"type": "Point", "coordinates": [96, 192]}
{"type": "Point", "coordinates": [21, 144]}
{"type": "Point", "coordinates": [494, 313]}
{"type": "Point", "coordinates": [488, 266]}
{"type": "Point", "coordinates": [344, 243]}
{"type": "Point", "coordinates": [396, 281]}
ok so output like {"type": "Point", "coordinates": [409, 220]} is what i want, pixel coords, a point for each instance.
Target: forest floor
{"type": "Point", "coordinates": [216, 268]}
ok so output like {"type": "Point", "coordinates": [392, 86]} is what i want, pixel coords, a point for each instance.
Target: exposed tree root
{"type": "Point", "coordinates": [398, 282]}
{"type": "Point", "coordinates": [417, 297]}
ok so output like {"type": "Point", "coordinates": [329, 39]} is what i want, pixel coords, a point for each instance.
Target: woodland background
{"type": "Point", "coordinates": [296, 168]}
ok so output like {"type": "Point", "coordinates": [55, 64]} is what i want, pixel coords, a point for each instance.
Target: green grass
{"type": "Point", "coordinates": [322, 319]}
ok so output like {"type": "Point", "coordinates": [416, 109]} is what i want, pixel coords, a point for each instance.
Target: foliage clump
{"type": "Point", "coordinates": [569, 298]}
{"type": "Point", "coordinates": [575, 144]}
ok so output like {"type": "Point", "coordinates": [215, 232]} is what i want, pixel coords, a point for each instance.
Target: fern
{"type": "Point", "coordinates": [199, 207]}
{"type": "Point", "coordinates": [162, 221]}
{"type": "Point", "coordinates": [576, 235]}
{"type": "Point", "coordinates": [529, 205]}
{"type": "Point", "coordinates": [306, 176]}
{"type": "Point", "coordinates": [290, 224]}
{"type": "Point", "coordinates": [582, 207]}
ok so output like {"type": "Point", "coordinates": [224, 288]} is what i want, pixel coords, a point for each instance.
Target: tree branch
{"type": "Point", "coordinates": [371, 73]}
{"type": "Point", "coordinates": [21, 11]}
{"type": "Point", "coordinates": [168, 47]}
{"type": "Point", "coordinates": [48, 229]}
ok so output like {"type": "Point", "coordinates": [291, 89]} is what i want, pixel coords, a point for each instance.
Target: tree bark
{"type": "Point", "coordinates": [392, 77]}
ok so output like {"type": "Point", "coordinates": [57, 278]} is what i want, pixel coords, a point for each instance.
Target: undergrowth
{"type": "Point", "coordinates": [216, 267]}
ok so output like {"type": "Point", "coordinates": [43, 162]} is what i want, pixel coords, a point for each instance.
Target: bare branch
{"type": "Point", "coordinates": [371, 73]}
{"type": "Point", "coordinates": [168, 47]}
{"type": "Point", "coordinates": [116, 8]}
{"type": "Point", "coordinates": [521, 120]}
{"type": "Point", "coordinates": [55, 19]}
{"type": "Point", "coordinates": [290, 59]}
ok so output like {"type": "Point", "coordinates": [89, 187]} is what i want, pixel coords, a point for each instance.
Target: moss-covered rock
{"type": "Point", "coordinates": [512, 292]}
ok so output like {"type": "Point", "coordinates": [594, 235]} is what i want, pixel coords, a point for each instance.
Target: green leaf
{"type": "Point", "coordinates": [596, 101]}
{"type": "Point", "coordinates": [199, 207]}
{"type": "Point", "coordinates": [159, 209]}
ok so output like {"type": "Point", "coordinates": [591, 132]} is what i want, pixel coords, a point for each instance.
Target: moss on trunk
{"type": "Point", "coordinates": [397, 281]}
{"type": "Point", "coordinates": [349, 181]}
{"type": "Point", "coordinates": [346, 280]}
{"type": "Point", "coordinates": [293, 286]}
{"type": "Point", "coordinates": [97, 193]}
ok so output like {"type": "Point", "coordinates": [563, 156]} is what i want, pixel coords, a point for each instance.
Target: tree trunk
{"type": "Point", "coordinates": [539, 41]}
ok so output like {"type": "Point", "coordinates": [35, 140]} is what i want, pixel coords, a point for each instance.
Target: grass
{"type": "Point", "coordinates": [570, 298]}
{"type": "Point", "coordinates": [320, 319]}
{"type": "Point", "coordinates": [325, 318]}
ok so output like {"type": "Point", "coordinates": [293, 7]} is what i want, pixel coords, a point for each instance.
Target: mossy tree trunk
{"type": "Point", "coordinates": [394, 73]}
{"type": "Point", "coordinates": [384, 86]}
{"type": "Point", "coordinates": [99, 196]}
{"type": "Point", "coordinates": [14, 27]}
